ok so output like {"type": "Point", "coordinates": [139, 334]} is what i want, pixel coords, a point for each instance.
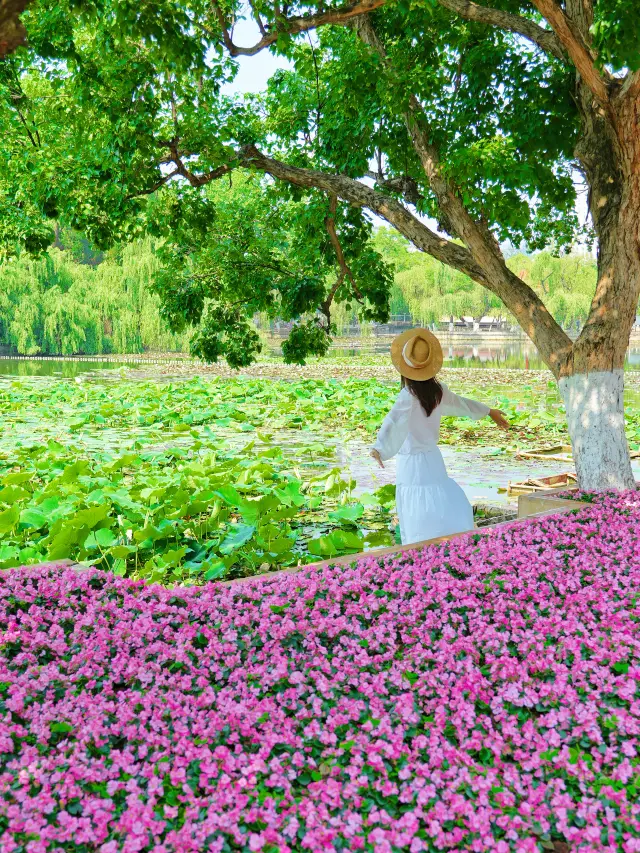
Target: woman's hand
{"type": "Point", "coordinates": [499, 419]}
{"type": "Point", "coordinates": [376, 455]}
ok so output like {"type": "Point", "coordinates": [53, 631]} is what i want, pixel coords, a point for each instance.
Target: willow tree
{"type": "Point", "coordinates": [478, 117]}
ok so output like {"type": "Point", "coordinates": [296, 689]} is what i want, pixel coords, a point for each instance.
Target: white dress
{"type": "Point", "coordinates": [429, 502]}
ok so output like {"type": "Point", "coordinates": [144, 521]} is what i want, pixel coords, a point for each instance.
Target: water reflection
{"type": "Point", "coordinates": [514, 354]}
{"type": "Point", "coordinates": [58, 368]}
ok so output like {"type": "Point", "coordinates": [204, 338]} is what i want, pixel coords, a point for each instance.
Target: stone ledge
{"type": "Point", "coordinates": [538, 503]}
{"type": "Point", "coordinates": [550, 505]}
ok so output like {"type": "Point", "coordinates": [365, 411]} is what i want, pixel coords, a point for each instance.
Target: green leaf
{"type": "Point", "coordinates": [337, 542]}
{"type": "Point", "coordinates": [347, 514]}
{"type": "Point", "coordinates": [8, 519]}
{"type": "Point", "coordinates": [10, 555]}
{"type": "Point", "coordinates": [279, 546]}
{"type": "Point", "coordinates": [17, 478]}
{"type": "Point", "coordinates": [61, 727]}
{"type": "Point", "coordinates": [216, 570]}
{"type": "Point", "coordinates": [13, 494]}
{"type": "Point", "coordinates": [121, 552]}
{"type": "Point", "coordinates": [386, 495]}
{"type": "Point", "coordinates": [33, 518]}
{"type": "Point", "coordinates": [237, 536]}
{"type": "Point", "coordinates": [119, 568]}
{"type": "Point", "coordinates": [105, 537]}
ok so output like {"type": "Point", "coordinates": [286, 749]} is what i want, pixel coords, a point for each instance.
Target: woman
{"type": "Point", "coordinates": [430, 504]}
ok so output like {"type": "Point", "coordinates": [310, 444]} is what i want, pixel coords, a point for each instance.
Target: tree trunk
{"type": "Point", "coordinates": [590, 369]}
{"type": "Point", "coordinates": [12, 32]}
{"type": "Point", "coordinates": [595, 417]}
{"type": "Point", "coordinates": [591, 380]}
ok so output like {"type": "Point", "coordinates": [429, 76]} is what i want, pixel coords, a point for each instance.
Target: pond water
{"type": "Point", "coordinates": [60, 368]}
{"type": "Point", "coordinates": [514, 354]}
{"type": "Point", "coordinates": [484, 472]}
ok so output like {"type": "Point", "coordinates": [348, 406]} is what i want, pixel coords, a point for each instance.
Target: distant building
{"type": "Point", "coordinates": [469, 323]}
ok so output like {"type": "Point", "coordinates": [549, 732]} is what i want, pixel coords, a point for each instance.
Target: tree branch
{"type": "Point", "coordinates": [330, 225]}
{"type": "Point", "coordinates": [325, 307]}
{"type": "Point", "coordinates": [547, 40]}
{"type": "Point", "coordinates": [292, 26]}
{"type": "Point", "coordinates": [385, 206]}
{"type": "Point", "coordinates": [403, 184]}
{"type": "Point", "coordinates": [258, 19]}
{"type": "Point", "coordinates": [630, 87]}
{"type": "Point", "coordinates": [175, 157]}
{"type": "Point", "coordinates": [576, 47]}
{"type": "Point", "coordinates": [156, 186]}
{"type": "Point", "coordinates": [26, 127]}
{"type": "Point", "coordinates": [552, 342]}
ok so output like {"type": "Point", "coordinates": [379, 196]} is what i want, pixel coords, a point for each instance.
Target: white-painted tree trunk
{"type": "Point", "coordinates": [595, 417]}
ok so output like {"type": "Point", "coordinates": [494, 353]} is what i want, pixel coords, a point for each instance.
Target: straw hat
{"type": "Point", "coordinates": [416, 354]}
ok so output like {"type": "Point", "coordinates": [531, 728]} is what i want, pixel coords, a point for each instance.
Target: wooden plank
{"type": "Point", "coordinates": [541, 484]}
{"type": "Point", "coordinates": [543, 503]}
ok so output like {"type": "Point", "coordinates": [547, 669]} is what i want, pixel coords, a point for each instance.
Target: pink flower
{"type": "Point", "coordinates": [470, 696]}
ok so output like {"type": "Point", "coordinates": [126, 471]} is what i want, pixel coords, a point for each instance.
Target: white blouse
{"type": "Point", "coordinates": [407, 428]}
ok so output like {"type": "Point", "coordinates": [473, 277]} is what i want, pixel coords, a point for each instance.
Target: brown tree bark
{"type": "Point", "coordinates": [12, 31]}
{"type": "Point", "coordinates": [591, 378]}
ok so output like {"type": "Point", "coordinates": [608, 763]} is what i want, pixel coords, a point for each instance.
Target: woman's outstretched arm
{"type": "Point", "coordinates": [453, 405]}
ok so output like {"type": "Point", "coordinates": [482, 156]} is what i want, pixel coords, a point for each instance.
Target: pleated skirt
{"type": "Point", "coordinates": [430, 504]}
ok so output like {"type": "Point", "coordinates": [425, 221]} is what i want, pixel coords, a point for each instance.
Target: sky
{"type": "Point", "coordinates": [253, 71]}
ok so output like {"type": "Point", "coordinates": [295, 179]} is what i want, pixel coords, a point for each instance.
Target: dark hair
{"type": "Point", "coordinates": [428, 392]}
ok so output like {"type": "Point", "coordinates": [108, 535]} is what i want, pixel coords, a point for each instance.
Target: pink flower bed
{"type": "Point", "coordinates": [482, 695]}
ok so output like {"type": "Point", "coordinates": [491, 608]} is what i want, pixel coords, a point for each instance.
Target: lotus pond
{"type": "Point", "coordinates": [212, 477]}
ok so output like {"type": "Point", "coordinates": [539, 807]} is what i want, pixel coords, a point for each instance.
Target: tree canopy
{"type": "Point", "coordinates": [116, 120]}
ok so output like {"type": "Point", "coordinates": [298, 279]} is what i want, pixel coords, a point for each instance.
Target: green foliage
{"type": "Point", "coordinates": [251, 248]}
{"type": "Point", "coordinates": [616, 31]}
{"type": "Point", "coordinates": [65, 302]}
{"type": "Point", "coordinates": [433, 291]}
{"type": "Point", "coordinates": [111, 97]}
{"type": "Point", "coordinates": [225, 331]}
{"type": "Point", "coordinates": [305, 339]}
{"type": "Point", "coordinates": [181, 482]}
